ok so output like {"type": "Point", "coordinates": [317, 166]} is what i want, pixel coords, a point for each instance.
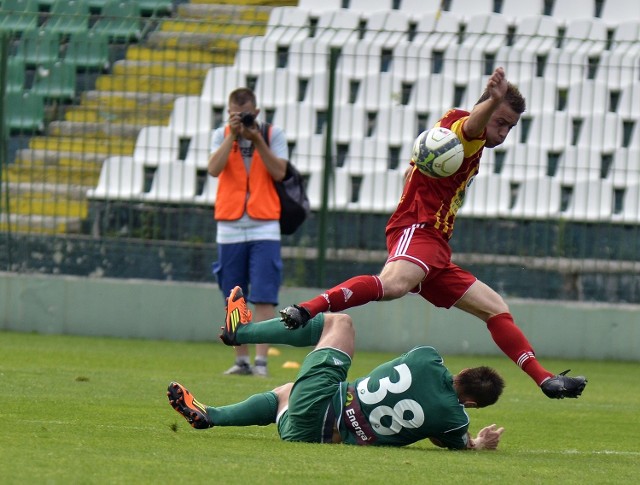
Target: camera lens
{"type": "Point", "coordinates": [247, 119]}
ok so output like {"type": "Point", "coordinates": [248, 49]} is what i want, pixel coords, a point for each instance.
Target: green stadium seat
{"type": "Point", "coordinates": [89, 50]}
{"type": "Point", "coordinates": [15, 75]}
{"type": "Point", "coordinates": [120, 21]}
{"type": "Point", "coordinates": [38, 47]}
{"type": "Point", "coordinates": [24, 112]}
{"type": "Point", "coordinates": [57, 80]}
{"type": "Point", "coordinates": [18, 16]}
{"type": "Point", "coordinates": [155, 7]}
{"type": "Point", "coordinates": [68, 17]}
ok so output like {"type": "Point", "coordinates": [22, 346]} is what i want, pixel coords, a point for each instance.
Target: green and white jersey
{"type": "Point", "coordinates": [403, 401]}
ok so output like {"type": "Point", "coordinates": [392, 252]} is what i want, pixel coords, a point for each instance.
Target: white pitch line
{"type": "Point", "coordinates": [583, 452]}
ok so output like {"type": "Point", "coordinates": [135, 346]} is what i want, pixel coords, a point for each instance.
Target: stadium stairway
{"type": "Point", "coordinates": [50, 177]}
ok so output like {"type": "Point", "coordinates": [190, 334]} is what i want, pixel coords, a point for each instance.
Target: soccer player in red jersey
{"type": "Point", "coordinates": [419, 253]}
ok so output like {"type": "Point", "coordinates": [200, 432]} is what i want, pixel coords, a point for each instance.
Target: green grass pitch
{"type": "Point", "coordinates": [94, 410]}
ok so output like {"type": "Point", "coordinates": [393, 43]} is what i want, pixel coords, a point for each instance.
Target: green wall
{"type": "Point", "coordinates": [187, 311]}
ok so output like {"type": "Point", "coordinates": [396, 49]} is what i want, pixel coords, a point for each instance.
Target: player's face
{"type": "Point", "coordinates": [500, 124]}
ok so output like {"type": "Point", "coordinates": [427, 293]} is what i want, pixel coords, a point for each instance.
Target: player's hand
{"type": "Point", "coordinates": [497, 84]}
{"type": "Point", "coordinates": [488, 437]}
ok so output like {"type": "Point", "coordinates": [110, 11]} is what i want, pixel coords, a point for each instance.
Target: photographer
{"type": "Point", "coordinates": [247, 211]}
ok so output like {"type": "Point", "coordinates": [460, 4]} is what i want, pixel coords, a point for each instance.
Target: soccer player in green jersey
{"type": "Point", "coordinates": [408, 399]}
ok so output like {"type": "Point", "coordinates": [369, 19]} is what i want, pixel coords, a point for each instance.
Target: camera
{"type": "Point", "coordinates": [247, 119]}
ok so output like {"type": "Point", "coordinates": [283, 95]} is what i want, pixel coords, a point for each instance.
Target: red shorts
{"type": "Point", "coordinates": [422, 245]}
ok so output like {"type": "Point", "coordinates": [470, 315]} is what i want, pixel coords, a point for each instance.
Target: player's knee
{"type": "Point", "coordinates": [339, 322]}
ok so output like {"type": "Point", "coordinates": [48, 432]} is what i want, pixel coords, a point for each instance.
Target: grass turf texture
{"type": "Point", "coordinates": [94, 410]}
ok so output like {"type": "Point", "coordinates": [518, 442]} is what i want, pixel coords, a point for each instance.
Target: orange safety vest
{"type": "Point", "coordinates": [234, 183]}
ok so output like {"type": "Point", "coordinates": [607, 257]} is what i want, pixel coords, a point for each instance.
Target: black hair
{"type": "Point", "coordinates": [483, 385]}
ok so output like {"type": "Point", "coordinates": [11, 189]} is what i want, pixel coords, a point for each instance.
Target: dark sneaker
{"type": "Point", "coordinates": [295, 316]}
{"type": "Point", "coordinates": [561, 386]}
{"type": "Point", "coordinates": [237, 314]}
{"type": "Point", "coordinates": [239, 369]}
{"type": "Point", "coordinates": [182, 401]}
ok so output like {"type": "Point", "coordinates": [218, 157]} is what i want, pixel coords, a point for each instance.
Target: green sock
{"type": "Point", "coordinates": [259, 409]}
{"type": "Point", "coordinates": [274, 332]}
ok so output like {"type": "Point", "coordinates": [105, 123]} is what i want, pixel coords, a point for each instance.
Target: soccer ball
{"type": "Point", "coordinates": [437, 152]}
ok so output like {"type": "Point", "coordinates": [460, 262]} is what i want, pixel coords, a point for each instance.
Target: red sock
{"type": "Point", "coordinates": [353, 292]}
{"type": "Point", "coordinates": [514, 344]}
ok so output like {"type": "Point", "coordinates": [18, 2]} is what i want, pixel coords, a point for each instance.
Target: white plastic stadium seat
{"type": "Point", "coordinates": [488, 195]}
{"type": "Point", "coordinates": [433, 93]}
{"type": "Point", "coordinates": [349, 123]}
{"type": "Point", "coordinates": [219, 82]}
{"type": "Point", "coordinates": [209, 192]}
{"type": "Point", "coordinates": [515, 10]}
{"type": "Point", "coordinates": [199, 149]}
{"type": "Point", "coordinates": [537, 198]}
{"type": "Point", "coordinates": [173, 182]}
{"type": "Point", "coordinates": [625, 169]}
{"type": "Point", "coordinates": [416, 8]}
{"type": "Point", "coordinates": [339, 189]}
{"type": "Point", "coordinates": [190, 114]}
{"type": "Point", "coordinates": [378, 90]}
{"type": "Point", "coordinates": [550, 130]}
{"type": "Point", "coordinates": [156, 145]}
{"type": "Point", "coordinates": [120, 178]}
{"type": "Point", "coordinates": [287, 24]}
{"type": "Point", "coordinates": [630, 213]}
{"type": "Point", "coordinates": [629, 104]}
{"type": "Point", "coordinates": [297, 120]}
{"type": "Point", "coordinates": [317, 93]}
{"type": "Point", "coordinates": [361, 58]}
{"type": "Point", "coordinates": [484, 34]}
{"type": "Point", "coordinates": [434, 33]}
{"type": "Point", "coordinates": [579, 163]}
{"type": "Point", "coordinates": [541, 94]}
{"type": "Point", "coordinates": [584, 39]}
{"type": "Point", "coordinates": [469, 8]}
{"type": "Point", "coordinates": [398, 125]}
{"type": "Point", "coordinates": [276, 88]}
{"type": "Point", "coordinates": [535, 37]}
{"type": "Point", "coordinates": [616, 11]}
{"type": "Point", "coordinates": [620, 65]}
{"type": "Point", "coordinates": [334, 29]}
{"type": "Point", "coordinates": [591, 200]}
{"type": "Point", "coordinates": [256, 55]}
{"type": "Point", "coordinates": [308, 153]}
{"type": "Point", "coordinates": [587, 97]}
{"type": "Point", "coordinates": [366, 156]}
{"type": "Point", "coordinates": [387, 28]}
{"type": "Point", "coordinates": [367, 7]}
{"type": "Point", "coordinates": [525, 161]}
{"type": "Point", "coordinates": [568, 10]}
{"type": "Point", "coordinates": [316, 7]}
{"type": "Point", "coordinates": [600, 131]}
{"type": "Point", "coordinates": [379, 192]}
{"type": "Point", "coordinates": [337, 27]}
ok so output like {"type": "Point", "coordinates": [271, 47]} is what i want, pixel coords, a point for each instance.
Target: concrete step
{"type": "Point", "coordinates": [113, 145]}
{"type": "Point", "coordinates": [226, 44]}
{"type": "Point", "coordinates": [36, 224]}
{"type": "Point", "coordinates": [28, 158]}
{"type": "Point", "coordinates": [174, 69]}
{"type": "Point", "coordinates": [99, 129]}
{"type": "Point", "coordinates": [220, 12]}
{"type": "Point", "coordinates": [150, 84]}
{"type": "Point", "coordinates": [180, 54]}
